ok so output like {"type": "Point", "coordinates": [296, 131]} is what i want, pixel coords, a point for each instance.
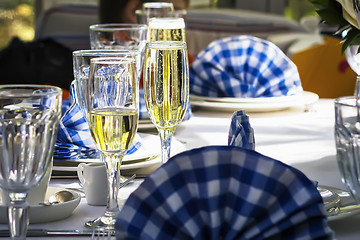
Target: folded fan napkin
{"type": "Point", "coordinates": [241, 134]}
{"type": "Point", "coordinates": [243, 66]}
{"type": "Point", "coordinates": [224, 192]}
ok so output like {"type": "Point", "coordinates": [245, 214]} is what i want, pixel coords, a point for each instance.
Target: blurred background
{"type": "Point", "coordinates": [40, 35]}
{"type": "Point", "coordinates": [19, 17]}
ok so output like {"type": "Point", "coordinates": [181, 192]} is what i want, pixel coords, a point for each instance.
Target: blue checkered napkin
{"type": "Point", "coordinates": [74, 140]}
{"type": "Point", "coordinates": [241, 134]}
{"type": "Point", "coordinates": [224, 192]}
{"type": "Point", "coordinates": [243, 66]}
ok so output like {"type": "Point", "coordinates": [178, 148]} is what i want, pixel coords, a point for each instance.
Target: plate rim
{"type": "Point", "coordinates": [305, 98]}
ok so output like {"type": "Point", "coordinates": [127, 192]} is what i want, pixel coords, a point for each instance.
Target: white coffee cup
{"type": "Point", "coordinates": [36, 195]}
{"type": "Point", "coordinates": [93, 177]}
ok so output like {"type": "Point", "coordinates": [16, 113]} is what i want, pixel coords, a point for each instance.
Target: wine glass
{"type": "Point", "coordinates": [166, 88]}
{"type": "Point", "coordinates": [166, 29]}
{"type": "Point", "coordinates": [153, 9]}
{"type": "Point", "coordinates": [112, 102]}
{"type": "Point", "coordinates": [81, 66]}
{"type": "Point", "coordinates": [29, 118]}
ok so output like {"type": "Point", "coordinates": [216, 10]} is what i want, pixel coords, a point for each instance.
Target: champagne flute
{"type": "Point", "coordinates": [166, 29]}
{"type": "Point", "coordinates": [113, 112]}
{"type": "Point", "coordinates": [29, 118]}
{"type": "Point", "coordinates": [166, 88]}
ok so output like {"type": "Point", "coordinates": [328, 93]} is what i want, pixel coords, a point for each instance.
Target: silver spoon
{"type": "Point", "coordinates": [59, 197]}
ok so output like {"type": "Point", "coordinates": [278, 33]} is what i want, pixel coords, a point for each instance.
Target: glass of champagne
{"type": "Point", "coordinates": [29, 119]}
{"type": "Point", "coordinates": [112, 102]}
{"type": "Point", "coordinates": [166, 29]}
{"type": "Point", "coordinates": [166, 88]}
{"type": "Point", "coordinates": [81, 67]}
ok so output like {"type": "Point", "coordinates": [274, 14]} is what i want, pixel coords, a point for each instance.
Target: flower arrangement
{"type": "Point", "coordinates": [343, 14]}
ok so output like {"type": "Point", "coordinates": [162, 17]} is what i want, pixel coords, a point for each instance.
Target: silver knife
{"type": "Point", "coordinates": [45, 232]}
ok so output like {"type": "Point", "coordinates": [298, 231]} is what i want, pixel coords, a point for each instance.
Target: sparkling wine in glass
{"type": "Point", "coordinates": [166, 88]}
{"type": "Point", "coordinates": [29, 118]}
{"type": "Point", "coordinates": [81, 67]}
{"type": "Point", "coordinates": [166, 29]}
{"type": "Point", "coordinates": [113, 112]}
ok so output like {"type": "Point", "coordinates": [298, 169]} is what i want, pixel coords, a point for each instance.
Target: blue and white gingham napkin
{"type": "Point", "coordinates": [241, 134]}
{"type": "Point", "coordinates": [74, 140]}
{"type": "Point", "coordinates": [224, 192]}
{"type": "Point", "coordinates": [243, 66]}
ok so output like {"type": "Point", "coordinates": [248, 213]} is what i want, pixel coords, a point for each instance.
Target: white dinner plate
{"type": "Point", "coordinates": [262, 104]}
{"type": "Point", "coordinates": [150, 148]}
{"type": "Point", "coordinates": [42, 214]}
{"type": "Point", "coordinates": [142, 167]}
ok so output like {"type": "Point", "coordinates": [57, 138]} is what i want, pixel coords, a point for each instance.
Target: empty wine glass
{"type": "Point", "coordinates": [166, 88]}
{"type": "Point", "coordinates": [112, 101]}
{"type": "Point", "coordinates": [29, 118]}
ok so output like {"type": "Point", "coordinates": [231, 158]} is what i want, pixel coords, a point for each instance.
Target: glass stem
{"type": "Point", "coordinates": [357, 95]}
{"type": "Point", "coordinates": [165, 137]}
{"type": "Point", "coordinates": [18, 214]}
{"type": "Point", "coordinates": [357, 87]}
{"type": "Point", "coordinates": [113, 163]}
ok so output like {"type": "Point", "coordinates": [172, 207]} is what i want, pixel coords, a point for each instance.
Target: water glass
{"type": "Point", "coordinates": [118, 36]}
{"type": "Point", "coordinates": [347, 137]}
{"type": "Point", "coordinates": [29, 119]}
{"type": "Point", "coordinates": [153, 9]}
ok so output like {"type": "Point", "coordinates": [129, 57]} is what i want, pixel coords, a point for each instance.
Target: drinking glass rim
{"type": "Point", "coordinates": [174, 22]}
{"type": "Point", "coordinates": [56, 90]}
{"type": "Point", "coordinates": [103, 52]}
{"type": "Point", "coordinates": [112, 59]}
{"type": "Point", "coordinates": [156, 5]}
{"type": "Point", "coordinates": [166, 44]}
{"type": "Point", "coordinates": [117, 26]}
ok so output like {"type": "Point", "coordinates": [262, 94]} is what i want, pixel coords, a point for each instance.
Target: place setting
{"type": "Point", "coordinates": [225, 76]}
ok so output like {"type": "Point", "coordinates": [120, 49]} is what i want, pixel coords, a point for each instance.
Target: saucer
{"type": "Point", "coordinates": [42, 214]}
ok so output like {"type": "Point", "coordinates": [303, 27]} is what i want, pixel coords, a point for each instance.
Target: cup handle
{"type": "Point", "coordinates": [80, 171]}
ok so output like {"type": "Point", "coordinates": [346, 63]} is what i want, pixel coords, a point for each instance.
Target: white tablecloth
{"type": "Point", "coordinates": [301, 139]}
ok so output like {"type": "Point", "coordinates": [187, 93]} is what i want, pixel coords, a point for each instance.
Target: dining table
{"type": "Point", "coordinates": [301, 136]}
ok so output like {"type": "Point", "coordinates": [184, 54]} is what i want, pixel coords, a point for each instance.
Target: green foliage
{"type": "Point", "coordinates": [331, 13]}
